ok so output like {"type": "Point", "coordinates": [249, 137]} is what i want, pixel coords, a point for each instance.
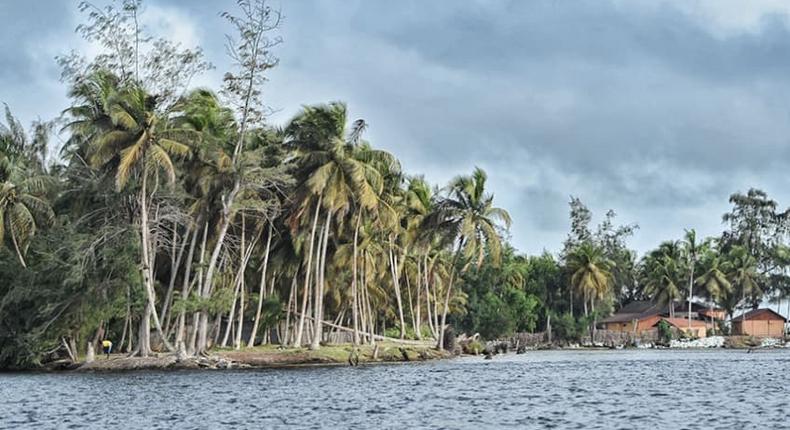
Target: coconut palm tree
{"type": "Point", "coordinates": [23, 209]}
{"type": "Point", "coordinates": [743, 273]}
{"type": "Point", "coordinates": [713, 279]}
{"type": "Point", "coordinates": [662, 274]}
{"type": "Point", "coordinates": [139, 144]}
{"type": "Point", "coordinates": [468, 222]}
{"type": "Point", "coordinates": [23, 185]}
{"type": "Point", "coordinates": [590, 272]}
{"type": "Point", "coordinates": [331, 181]}
{"type": "Point", "coordinates": [692, 249]}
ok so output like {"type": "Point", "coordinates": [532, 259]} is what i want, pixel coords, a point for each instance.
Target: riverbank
{"type": "Point", "coordinates": [268, 356]}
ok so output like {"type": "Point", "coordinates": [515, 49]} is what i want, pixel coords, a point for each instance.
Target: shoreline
{"type": "Point", "coordinates": [262, 357]}
{"type": "Point", "coordinates": [275, 357]}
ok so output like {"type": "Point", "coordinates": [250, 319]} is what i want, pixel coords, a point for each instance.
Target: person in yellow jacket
{"type": "Point", "coordinates": [107, 347]}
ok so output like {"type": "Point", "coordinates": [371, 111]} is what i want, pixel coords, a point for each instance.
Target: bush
{"type": "Point", "coordinates": [566, 328]}
{"type": "Point", "coordinates": [664, 331]}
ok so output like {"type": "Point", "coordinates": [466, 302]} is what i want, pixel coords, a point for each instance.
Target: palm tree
{"type": "Point", "coordinates": [140, 143]}
{"type": "Point", "coordinates": [590, 273]}
{"type": "Point", "coordinates": [692, 250]}
{"type": "Point", "coordinates": [714, 280]}
{"type": "Point", "coordinates": [23, 183]}
{"type": "Point", "coordinates": [743, 273]}
{"type": "Point", "coordinates": [662, 273]}
{"type": "Point", "coordinates": [22, 209]}
{"type": "Point", "coordinates": [467, 220]}
{"type": "Point", "coordinates": [331, 180]}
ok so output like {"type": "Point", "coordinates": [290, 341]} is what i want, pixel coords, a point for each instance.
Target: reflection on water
{"type": "Point", "coordinates": [546, 389]}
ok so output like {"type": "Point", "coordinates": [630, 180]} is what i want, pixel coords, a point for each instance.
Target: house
{"type": "Point", "coordinates": [695, 328]}
{"type": "Point", "coordinates": [635, 317]}
{"type": "Point", "coordinates": [759, 322]}
{"type": "Point", "coordinates": [641, 316]}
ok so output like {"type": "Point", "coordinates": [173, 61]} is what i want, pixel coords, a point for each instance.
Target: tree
{"type": "Point", "coordinates": [713, 279]}
{"type": "Point", "coordinates": [590, 276]}
{"type": "Point", "coordinates": [467, 220]}
{"type": "Point", "coordinates": [692, 250]}
{"type": "Point", "coordinates": [23, 185]}
{"type": "Point", "coordinates": [139, 144]}
{"type": "Point", "coordinates": [662, 274]}
{"type": "Point", "coordinates": [743, 274]}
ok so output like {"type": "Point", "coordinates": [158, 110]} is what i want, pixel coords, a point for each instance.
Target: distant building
{"type": "Point", "coordinates": [641, 316]}
{"type": "Point", "coordinates": [760, 323]}
{"type": "Point", "coordinates": [635, 317]}
{"type": "Point", "coordinates": [696, 328]}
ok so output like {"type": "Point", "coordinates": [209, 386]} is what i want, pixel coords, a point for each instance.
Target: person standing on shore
{"type": "Point", "coordinates": [107, 347]}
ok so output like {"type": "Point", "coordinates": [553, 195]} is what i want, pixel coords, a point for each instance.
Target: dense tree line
{"type": "Point", "coordinates": [177, 219]}
{"type": "Point", "coordinates": [174, 218]}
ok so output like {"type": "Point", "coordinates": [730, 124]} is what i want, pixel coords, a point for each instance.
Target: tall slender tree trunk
{"type": "Point", "coordinates": [446, 308]}
{"type": "Point", "coordinates": [691, 286]}
{"type": "Point", "coordinates": [320, 284]}
{"type": "Point", "coordinates": [354, 292]}
{"type": "Point", "coordinates": [396, 284]}
{"type": "Point", "coordinates": [148, 280]}
{"type": "Point", "coordinates": [251, 341]}
{"type": "Point", "coordinates": [206, 290]}
{"type": "Point", "coordinates": [185, 289]}
{"type": "Point", "coordinates": [411, 299]}
{"type": "Point", "coordinates": [291, 300]}
{"type": "Point", "coordinates": [305, 292]}
{"type": "Point", "coordinates": [231, 314]}
{"type": "Point", "coordinates": [242, 284]}
{"type": "Point", "coordinates": [175, 263]}
{"type": "Point", "coordinates": [418, 317]}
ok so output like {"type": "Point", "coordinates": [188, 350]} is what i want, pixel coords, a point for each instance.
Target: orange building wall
{"type": "Point", "coordinates": [759, 328]}
{"type": "Point", "coordinates": [642, 326]}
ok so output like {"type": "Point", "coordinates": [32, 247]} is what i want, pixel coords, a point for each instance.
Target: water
{"type": "Point", "coordinates": [552, 389]}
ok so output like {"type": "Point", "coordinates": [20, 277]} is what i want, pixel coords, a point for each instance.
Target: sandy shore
{"type": "Point", "coordinates": [265, 357]}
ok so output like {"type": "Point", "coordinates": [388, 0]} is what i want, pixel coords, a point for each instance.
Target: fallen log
{"type": "Point", "coordinates": [375, 336]}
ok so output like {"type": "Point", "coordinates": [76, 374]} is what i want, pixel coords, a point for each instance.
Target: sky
{"type": "Point", "coordinates": [656, 109]}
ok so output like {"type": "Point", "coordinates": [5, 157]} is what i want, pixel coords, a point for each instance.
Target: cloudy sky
{"type": "Point", "coordinates": [656, 109]}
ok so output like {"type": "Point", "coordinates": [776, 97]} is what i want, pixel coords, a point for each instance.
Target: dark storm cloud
{"type": "Point", "coordinates": [649, 110]}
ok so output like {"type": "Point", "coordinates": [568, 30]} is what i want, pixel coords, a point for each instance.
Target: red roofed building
{"type": "Point", "coordinates": [760, 323]}
{"type": "Point", "coordinates": [696, 329]}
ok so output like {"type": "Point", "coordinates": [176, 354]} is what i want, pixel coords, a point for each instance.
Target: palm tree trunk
{"type": "Point", "coordinates": [446, 307]}
{"type": "Point", "coordinates": [691, 286]}
{"type": "Point", "coordinates": [231, 314]}
{"type": "Point", "coordinates": [418, 316]}
{"type": "Point", "coordinates": [320, 287]}
{"type": "Point", "coordinates": [147, 272]}
{"type": "Point", "coordinates": [242, 285]}
{"type": "Point", "coordinates": [354, 293]}
{"type": "Point", "coordinates": [185, 289]}
{"type": "Point", "coordinates": [224, 223]}
{"type": "Point", "coordinates": [395, 271]}
{"type": "Point", "coordinates": [291, 300]}
{"type": "Point", "coordinates": [251, 341]}
{"type": "Point", "coordinates": [300, 330]}
{"type": "Point", "coordinates": [175, 263]}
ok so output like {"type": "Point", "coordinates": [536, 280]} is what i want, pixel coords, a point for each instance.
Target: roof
{"type": "Point", "coordinates": [695, 307]}
{"type": "Point", "coordinates": [642, 309]}
{"type": "Point", "coordinates": [755, 313]}
{"type": "Point", "coordinates": [637, 310]}
{"type": "Point", "coordinates": [682, 322]}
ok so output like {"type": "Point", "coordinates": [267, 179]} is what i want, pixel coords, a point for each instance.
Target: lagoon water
{"type": "Point", "coordinates": [655, 389]}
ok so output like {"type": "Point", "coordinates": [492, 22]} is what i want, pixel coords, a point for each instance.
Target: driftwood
{"type": "Point", "coordinates": [375, 336]}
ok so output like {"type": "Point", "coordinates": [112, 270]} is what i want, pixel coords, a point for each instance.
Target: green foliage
{"type": "Point", "coordinates": [567, 328]}
{"type": "Point", "coordinates": [664, 331]}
